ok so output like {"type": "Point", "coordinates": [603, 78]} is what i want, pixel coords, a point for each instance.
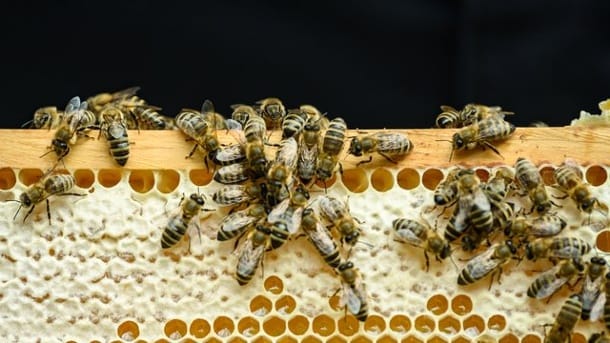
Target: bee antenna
{"type": "Point", "coordinates": [453, 262]}
{"type": "Point", "coordinates": [451, 155]}
{"type": "Point", "coordinates": [20, 205]}
{"type": "Point", "coordinates": [370, 245]}
{"type": "Point", "coordinates": [27, 122]}
{"type": "Point", "coordinates": [50, 150]}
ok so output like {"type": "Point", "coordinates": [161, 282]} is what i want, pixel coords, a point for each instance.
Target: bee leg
{"type": "Point", "coordinates": [387, 157]}
{"type": "Point", "coordinates": [48, 211]}
{"type": "Point", "coordinates": [365, 161]}
{"type": "Point", "coordinates": [493, 148]}
{"type": "Point", "coordinates": [28, 214]}
{"type": "Point", "coordinates": [427, 261]}
{"type": "Point", "coordinates": [341, 168]}
{"type": "Point", "coordinates": [192, 151]}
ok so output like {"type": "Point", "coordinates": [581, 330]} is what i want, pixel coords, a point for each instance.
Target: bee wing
{"type": "Point", "coordinates": [125, 93]}
{"type": "Point", "coordinates": [288, 152]}
{"type": "Point", "coordinates": [591, 291]}
{"type": "Point", "coordinates": [232, 153]}
{"type": "Point", "coordinates": [276, 213]}
{"type": "Point", "coordinates": [351, 299]}
{"type": "Point", "coordinates": [232, 124]}
{"type": "Point", "coordinates": [72, 105]}
{"type": "Point", "coordinates": [597, 308]}
{"type": "Point", "coordinates": [207, 107]}
{"type": "Point", "coordinates": [388, 141]}
{"type": "Point", "coordinates": [249, 257]}
{"type": "Point", "coordinates": [481, 201]}
{"type": "Point", "coordinates": [236, 221]}
{"type": "Point", "coordinates": [483, 263]}
{"type": "Point", "coordinates": [322, 239]}
{"type": "Point", "coordinates": [407, 236]}
{"type": "Point", "coordinates": [295, 221]}
{"type": "Point", "coordinates": [447, 108]}
{"type": "Point", "coordinates": [552, 284]}
{"type": "Point", "coordinates": [331, 208]}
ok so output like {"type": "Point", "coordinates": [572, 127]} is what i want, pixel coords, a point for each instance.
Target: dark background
{"type": "Point", "coordinates": [375, 63]}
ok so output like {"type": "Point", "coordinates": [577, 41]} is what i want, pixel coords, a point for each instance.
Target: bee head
{"type": "Point", "coordinates": [529, 252]}
{"type": "Point", "coordinates": [598, 260]}
{"type": "Point", "coordinates": [458, 141]}
{"type": "Point", "coordinates": [25, 200]}
{"type": "Point", "coordinates": [543, 207]}
{"type": "Point", "coordinates": [345, 266]}
{"type": "Point", "coordinates": [578, 264]}
{"type": "Point", "coordinates": [60, 147]}
{"type": "Point", "coordinates": [444, 121]}
{"type": "Point", "coordinates": [355, 147]}
{"type": "Point", "coordinates": [587, 204]}
{"type": "Point", "coordinates": [446, 252]}
{"type": "Point", "coordinates": [511, 246]}
{"type": "Point", "coordinates": [197, 198]}
{"type": "Point", "coordinates": [352, 237]}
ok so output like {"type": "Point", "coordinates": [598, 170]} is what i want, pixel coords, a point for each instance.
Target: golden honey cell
{"type": "Point", "coordinates": [84, 178]}
{"type": "Point", "coordinates": [109, 177]}
{"type": "Point", "coordinates": [449, 324]}
{"type": "Point", "coordinates": [298, 324]}
{"type": "Point", "coordinates": [141, 181]}
{"type": "Point", "coordinates": [411, 339]}
{"type": "Point", "coordinates": [374, 324]}
{"type": "Point", "coordinates": [223, 326]}
{"type": "Point", "coordinates": [355, 180]}
{"type": "Point", "coordinates": [168, 180]}
{"type": "Point", "coordinates": [200, 177]}
{"type": "Point", "coordinates": [274, 326]}
{"type": "Point", "coordinates": [547, 174]}
{"type": "Point", "coordinates": [531, 338]}
{"type": "Point", "coordinates": [400, 323]}
{"type": "Point", "coordinates": [285, 304]}
{"type": "Point", "coordinates": [199, 328]}
{"type": "Point", "coordinates": [496, 322]}
{"type": "Point", "coordinates": [387, 339]}
{"type": "Point", "coordinates": [509, 338]}
{"type": "Point", "coordinates": [128, 330]}
{"type": "Point", "coordinates": [287, 339]}
{"type": "Point", "coordinates": [361, 339]}
{"type": "Point", "coordinates": [436, 339]}
{"type": "Point", "coordinates": [461, 304]}
{"type": "Point", "coordinates": [29, 176]}
{"type": "Point", "coordinates": [408, 178]}
{"type": "Point", "coordinates": [175, 328]}
{"type": "Point", "coordinates": [248, 326]}
{"type": "Point", "coordinates": [262, 339]}
{"type": "Point", "coordinates": [382, 180]}
{"type": "Point", "coordinates": [7, 178]}
{"type": "Point", "coordinates": [437, 304]}
{"type": "Point", "coordinates": [336, 339]}
{"type": "Point", "coordinates": [424, 324]}
{"type": "Point", "coordinates": [348, 325]}
{"type": "Point", "coordinates": [578, 338]}
{"type": "Point", "coordinates": [602, 242]}
{"type": "Point", "coordinates": [323, 325]}
{"type": "Point", "coordinates": [260, 305]}
{"type": "Point", "coordinates": [431, 178]}
{"type": "Point", "coordinates": [274, 285]}
{"type": "Point", "coordinates": [596, 175]}
{"type": "Point", "coordinates": [311, 339]}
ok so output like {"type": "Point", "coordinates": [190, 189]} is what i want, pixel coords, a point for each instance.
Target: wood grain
{"type": "Point", "coordinates": [167, 149]}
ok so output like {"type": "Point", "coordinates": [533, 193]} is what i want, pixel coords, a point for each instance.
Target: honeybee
{"type": "Point", "coordinates": [195, 126]}
{"type": "Point", "coordinates": [48, 185]}
{"type": "Point", "coordinates": [490, 261]}
{"type": "Point", "coordinates": [497, 187]}
{"type": "Point", "coordinates": [503, 214]}
{"type": "Point", "coordinates": [76, 119]}
{"type": "Point", "coordinates": [178, 224]}
{"type": "Point", "coordinates": [446, 192]}
{"type": "Point", "coordinates": [557, 247]}
{"type": "Point", "coordinates": [241, 113]}
{"type": "Point", "coordinates": [481, 134]}
{"type": "Point", "coordinates": [320, 237]}
{"type": "Point", "coordinates": [337, 212]}
{"type": "Point", "coordinates": [227, 155]}
{"type": "Point", "coordinates": [547, 225]}
{"type": "Point", "coordinates": [530, 180]}
{"type": "Point", "coordinates": [279, 175]}
{"type": "Point", "coordinates": [354, 295]}
{"type": "Point", "coordinates": [551, 281]}
{"type": "Point", "coordinates": [255, 131]}
{"type": "Point", "coordinates": [569, 180]}
{"type": "Point", "coordinates": [293, 123]}
{"type": "Point", "coordinates": [237, 194]}
{"type": "Point", "coordinates": [114, 129]}
{"type": "Point", "coordinates": [599, 337]}
{"type": "Point", "coordinates": [237, 222]}
{"type": "Point", "coordinates": [251, 253]}
{"type": "Point", "coordinates": [390, 145]}
{"type": "Point", "coordinates": [99, 101]}
{"type": "Point", "coordinates": [272, 110]}
{"type": "Point", "coordinates": [423, 236]}
{"type": "Point", "coordinates": [45, 118]}
{"type": "Point", "coordinates": [332, 145]}
{"type": "Point", "coordinates": [471, 113]}
{"type": "Point", "coordinates": [566, 320]}
{"type": "Point", "coordinates": [591, 290]}
{"type": "Point", "coordinates": [309, 151]}
{"type": "Point", "coordinates": [285, 218]}
{"type": "Point", "coordinates": [606, 309]}
{"type": "Point", "coordinates": [148, 118]}
{"type": "Point", "coordinates": [232, 173]}
{"type": "Point", "coordinates": [315, 116]}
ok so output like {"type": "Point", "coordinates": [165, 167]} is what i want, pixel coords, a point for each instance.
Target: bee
{"type": "Point", "coordinates": [332, 145]}
{"type": "Point", "coordinates": [272, 110]}
{"type": "Point", "coordinates": [99, 101]}
{"type": "Point", "coordinates": [497, 187]}
{"type": "Point", "coordinates": [195, 126]}
{"type": "Point", "coordinates": [337, 212]}
{"type": "Point", "coordinates": [566, 320]}
{"type": "Point", "coordinates": [293, 123]}
{"type": "Point", "coordinates": [354, 295]}
{"type": "Point", "coordinates": [490, 261]}
{"type": "Point", "coordinates": [237, 194]}
{"type": "Point", "coordinates": [76, 119]}
{"type": "Point", "coordinates": [237, 222]}
{"type": "Point", "coordinates": [309, 151]}
{"type": "Point", "coordinates": [592, 288]}
{"type": "Point", "coordinates": [390, 145]}
{"type": "Point", "coordinates": [547, 225]}
{"type": "Point", "coordinates": [285, 218]}
{"type": "Point", "coordinates": [315, 116]}
{"type": "Point", "coordinates": [599, 337]}
{"type": "Point", "coordinates": [446, 192]}
{"type": "Point", "coordinates": [551, 281]}
{"type": "Point", "coordinates": [48, 185]}
{"type": "Point", "coordinates": [422, 236]}
{"type": "Point", "coordinates": [241, 113]}
{"type": "Point", "coordinates": [45, 118]}
{"type": "Point", "coordinates": [255, 131]}
{"type": "Point", "coordinates": [503, 214]}
{"type": "Point", "coordinates": [606, 309]}
{"type": "Point", "coordinates": [558, 247]}
{"type": "Point", "coordinates": [569, 180]}
{"type": "Point", "coordinates": [232, 173]}
{"type": "Point", "coordinates": [481, 134]}
{"type": "Point", "coordinates": [279, 175]}
{"type": "Point", "coordinates": [227, 155]}
{"type": "Point", "coordinates": [471, 113]}
{"type": "Point", "coordinates": [114, 129]}
{"type": "Point", "coordinates": [530, 180]}
{"type": "Point", "coordinates": [148, 118]}
{"type": "Point", "coordinates": [251, 254]}
{"type": "Point", "coordinates": [320, 237]}
{"type": "Point", "coordinates": [178, 224]}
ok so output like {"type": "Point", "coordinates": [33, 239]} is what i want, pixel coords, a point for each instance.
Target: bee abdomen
{"type": "Point", "coordinates": [173, 233]}
{"type": "Point", "coordinates": [59, 183]}
{"type": "Point", "coordinates": [465, 278]}
{"type": "Point", "coordinates": [334, 137]}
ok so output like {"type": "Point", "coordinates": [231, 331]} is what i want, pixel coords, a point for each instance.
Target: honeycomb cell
{"type": "Point", "coordinates": [274, 285]}
{"type": "Point", "coordinates": [248, 326]}
{"type": "Point", "coordinates": [274, 326]}
{"type": "Point", "coordinates": [29, 176]}
{"type": "Point", "coordinates": [461, 304]}
{"type": "Point", "coordinates": [483, 174]}
{"type": "Point", "coordinates": [424, 324]}
{"type": "Point", "coordinates": [462, 339]}
{"type": "Point", "coordinates": [141, 181]}
{"type": "Point", "coordinates": [7, 178]}
{"type": "Point", "coordinates": [200, 177]}
{"type": "Point", "coordinates": [382, 180]}
{"type": "Point", "coordinates": [577, 337]}
{"type": "Point", "coordinates": [213, 340]}
{"type": "Point", "coordinates": [437, 304]}
{"type": "Point", "coordinates": [109, 177]}
{"type": "Point", "coordinates": [262, 339]}
{"type": "Point", "coordinates": [400, 323]}
{"type": "Point", "coordinates": [531, 338]}
{"type": "Point", "coordinates": [348, 325]}
{"type": "Point", "coordinates": [449, 324]}
{"type": "Point", "coordinates": [336, 339]}
{"type": "Point", "coordinates": [355, 180]}
{"type": "Point", "coordinates": [223, 326]}
{"type": "Point", "coordinates": [168, 180]}
{"type": "Point", "coordinates": [408, 178]}
{"type": "Point", "coordinates": [603, 241]}
{"type": "Point", "coordinates": [260, 305]}
{"type": "Point", "coordinates": [235, 340]}
{"type": "Point", "coordinates": [496, 322]}
{"type": "Point", "coordinates": [199, 328]}
{"type": "Point", "coordinates": [386, 339]}
{"type": "Point", "coordinates": [374, 324]}
{"type": "Point", "coordinates": [509, 338]}
{"type": "Point", "coordinates": [323, 325]}
{"type": "Point", "coordinates": [311, 339]}
{"type": "Point", "coordinates": [84, 178]}
{"type": "Point", "coordinates": [298, 325]}
{"type": "Point", "coordinates": [361, 339]}
{"type": "Point", "coordinates": [596, 175]}
{"type": "Point", "coordinates": [335, 302]}
{"type": "Point", "coordinates": [474, 323]}
{"type": "Point", "coordinates": [285, 305]}
{"type": "Point", "coordinates": [175, 329]}
{"type": "Point", "coordinates": [547, 174]}
{"type": "Point", "coordinates": [436, 339]}
{"type": "Point", "coordinates": [190, 340]}
{"type": "Point", "coordinates": [431, 178]}
{"type": "Point", "coordinates": [128, 330]}
{"type": "Point", "coordinates": [411, 339]}
{"type": "Point", "coordinates": [287, 339]}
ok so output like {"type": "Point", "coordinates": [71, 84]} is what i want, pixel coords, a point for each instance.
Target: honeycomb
{"type": "Point", "coordinates": [97, 273]}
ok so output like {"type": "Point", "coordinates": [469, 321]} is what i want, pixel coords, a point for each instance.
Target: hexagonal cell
{"type": "Point", "coordinates": [175, 329]}
{"type": "Point", "coordinates": [431, 178]}
{"type": "Point", "coordinates": [596, 175]}
{"type": "Point", "coordinates": [509, 338]}
{"type": "Point", "coordinates": [374, 324]}
{"type": "Point", "coordinates": [474, 325]}
{"type": "Point", "coordinates": [311, 339]}
{"type": "Point", "coordinates": [323, 325]}
{"type": "Point", "coordinates": [248, 326]}
{"type": "Point", "coordinates": [260, 305]}
{"type": "Point", "coordinates": [578, 337]}
{"type": "Point", "coordinates": [223, 326]}
{"type": "Point", "coordinates": [285, 304]}
{"type": "Point", "coordinates": [335, 302]}
{"type": "Point", "coordinates": [449, 325]}
{"type": "Point", "coordinates": [287, 339]}
{"type": "Point", "coordinates": [437, 304]}
{"type": "Point", "coordinates": [387, 339]}
{"type": "Point", "coordinates": [382, 180]}
{"type": "Point", "coordinates": [400, 323]}
{"type": "Point", "coordinates": [355, 180]}
{"type": "Point", "coordinates": [531, 338]}
{"type": "Point", "coordinates": [190, 340]}
{"type": "Point", "coordinates": [436, 339]}
{"type": "Point", "coordinates": [336, 339]}
{"type": "Point", "coordinates": [602, 242]}
{"type": "Point", "coordinates": [84, 178]}
{"type": "Point", "coordinates": [213, 340]}
{"type": "Point", "coordinates": [235, 340]}
{"type": "Point", "coordinates": [109, 177]}
{"type": "Point", "coordinates": [141, 181]}
{"type": "Point", "coordinates": [128, 330]}
{"type": "Point", "coordinates": [408, 178]}
{"type": "Point", "coordinates": [461, 339]}
{"type": "Point", "coordinates": [547, 174]}
{"type": "Point", "coordinates": [411, 339]}
{"type": "Point", "coordinates": [274, 284]}
{"type": "Point", "coordinates": [29, 176]}
{"type": "Point", "coordinates": [274, 326]}
{"type": "Point", "coordinates": [497, 322]}
{"type": "Point", "coordinates": [7, 178]}
{"type": "Point", "coordinates": [361, 339]}
{"type": "Point", "coordinates": [168, 181]}
{"type": "Point", "coordinates": [200, 177]}
{"type": "Point", "coordinates": [483, 174]}
{"type": "Point", "coordinates": [262, 339]}
{"type": "Point", "coordinates": [199, 328]}
{"type": "Point", "coordinates": [461, 304]}
{"type": "Point", "coordinates": [424, 324]}
{"type": "Point", "coordinates": [298, 324]}
{"type": "Point", "coordinates": [348, 325]}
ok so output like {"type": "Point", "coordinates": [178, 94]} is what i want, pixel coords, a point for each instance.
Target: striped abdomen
{"type": "Point", "coordinates": [192, 124]}
{"type": "Point", "coordinates": [151, 119]}
{"type": "Point", "coordinates": [173, 232]}
{"type": "Point", "coordinates": [293, 123]}
{"type": "Point", "coordinates": [59, 183]}
{"type": "Point", "coordinates": [255, 129]}
{"type": "Point", "coordinates": [495, 128]}
{"type": "Point", "coordinates": [118, 141]}
{"type": "Point", "coordinates": [527, 173]}
{"type": "Point", "coordinates": [334, 137]}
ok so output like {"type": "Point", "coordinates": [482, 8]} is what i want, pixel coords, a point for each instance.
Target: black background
{"type": "Point", "coordinates": [375, 63]}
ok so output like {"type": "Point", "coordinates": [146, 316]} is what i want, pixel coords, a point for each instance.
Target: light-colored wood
{"type": "Point", "coordinates": [167, 149]}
